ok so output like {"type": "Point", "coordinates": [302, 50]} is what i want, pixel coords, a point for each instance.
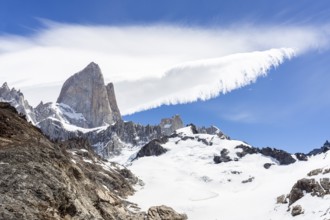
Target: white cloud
{"type": "Point", "coordinates": [203, 79]}
{"type": "Point", "coordinates": [151, 65]}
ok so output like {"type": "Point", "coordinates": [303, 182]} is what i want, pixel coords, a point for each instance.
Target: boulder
{"type": "Point", "coordinates": [282, 199]}
{"type": "Point", "coordinates": [223, 158]}
{"type": "Point", "coordinates": [301, 156]}
{"type": "Point", "coordinates": [315, 172]}
{"type": "Point", "coordinates": [297, 210]}
{"type": "Point", "coordinates": [164, 213]}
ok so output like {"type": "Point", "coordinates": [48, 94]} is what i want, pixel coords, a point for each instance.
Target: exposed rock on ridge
{"type": "Point", "coordinates": [16, 99]}
{"type": "Point", "coordinates": [45, 180]}
{"type": "Point", "coordinates": [169, 125]}
{"type": "Point", "coordinates": [113, 102]}
{"type": "Point", "coordinates": [86, 93]}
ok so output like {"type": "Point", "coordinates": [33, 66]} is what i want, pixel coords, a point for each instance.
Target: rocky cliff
{"type": "Point", "coordinates": [41, 179]}
{"type": "Point", "coordinates": [113, 102]}
{"type": "Point", "coordinates": [86, 93]}
{"type": "Point", "coordinates": [169, 125]}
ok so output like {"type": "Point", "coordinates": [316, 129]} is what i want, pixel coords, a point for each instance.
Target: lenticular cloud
{"type": "Point", "coordinates": [149, 64]}
{"type": "Point", "coordinates": [199, 80]}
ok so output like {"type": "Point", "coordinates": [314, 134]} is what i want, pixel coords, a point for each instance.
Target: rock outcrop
{"type": "Point", "coordinates": [213, 130]}
{"type": "Point", "coordinates": [153, 148]}
{"type": "Point", "coordinates": [297, 210]}
{"type": "Point", "coordinates": [41, 179]}
{"type": "Point", "coordinates": [16, 99]}
{"type": "Point", "coordinates": [169, 125]}
{"type": "Point", "coordinates": [86, 93]}
{"type": "Point", "coordinates": [113, 102]}
{"type": "Point", "coordinates": [323, 149]}
{"type": "Point", "coordinates": [164, 213]}
{"type": "Point", "coordinates": [223, 158]}
{"type": "Point", "coordinates": [283, 157]}
{"type": "Point", "coordinates": [45, 180]}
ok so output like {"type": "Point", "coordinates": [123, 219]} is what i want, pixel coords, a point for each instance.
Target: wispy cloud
{"type": "Point", "coordinates": [152, 65]}
{"type": "Point", "coordinates": [203, 79]}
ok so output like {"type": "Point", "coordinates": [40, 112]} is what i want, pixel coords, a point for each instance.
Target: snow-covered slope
{"type": "Point", "coordinates": [187, 178]}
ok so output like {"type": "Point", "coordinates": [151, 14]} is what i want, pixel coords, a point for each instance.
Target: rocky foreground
{"type": "Point", "coordinates": [41, 179]}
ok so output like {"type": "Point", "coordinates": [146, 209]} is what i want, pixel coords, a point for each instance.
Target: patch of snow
{"type": "Point", "coordinates": [177, 179]}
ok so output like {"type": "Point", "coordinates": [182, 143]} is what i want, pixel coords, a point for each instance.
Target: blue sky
{"type": "Point", "coordinates": [288, 109]}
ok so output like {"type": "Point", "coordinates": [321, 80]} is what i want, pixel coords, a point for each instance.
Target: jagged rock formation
{"type": "Point", "coordinates": [109, 142]}
{"type": "Point", "coordinates": [86, 93]}
{"type": "Point", "coordinates": [16, 99]}
{"type": "Point", "coordinates": [283, 157]}
{"type": "Point", "coordinates": [113, 102]}
{"type": "Point", "coordinates": [213, 130]}
{"type": "Point", "coordinates": [323, 149]}
{"type": "Point", "coordinates": [169, 125]}
{"type": "Point", "coordinates": [59, 112]}
{"type": "Point", "coordinates": [45, 180]}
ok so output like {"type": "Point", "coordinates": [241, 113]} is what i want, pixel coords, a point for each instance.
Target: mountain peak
{"type": "Point", "coordinates": [5, 86]}
{"type": "Point", "coordinates": [93, 65]}
{"type": "Point", "coordinates": [92, 71]}
{"type": "Point", "coordinates": [86, 93]}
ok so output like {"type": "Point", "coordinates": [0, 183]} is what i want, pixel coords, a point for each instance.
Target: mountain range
{"type": "Point", "coordinates": [199, 171]}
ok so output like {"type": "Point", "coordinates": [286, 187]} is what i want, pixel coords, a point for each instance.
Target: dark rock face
{"type": "Point", "coordinates": [245, 150]}
{"type": "Point", "coordinates": [193, 128]}
{"type": "Point", "coordinates": [169, 125]}
{"type": "Point", "coordinates": [223, 158]}
{"type": "Point", "coordinates": [164, 213]}
{"type": "Point", "coordinates": [41, 179]}
{"type": "Point", "coordinates": [308, 185]}
{"type": "Point", "coordinates": [153, 148]}
{"type": "Point", "coordinates": [281, 156]}
{"type": "Point", "coordinates": [323, 149]}
{"type": "Point", "coordinates": [213, 131]}
{"type": "Point", "coordinates": [301, 156]}
{"type": "Point", "coordinates": [315, 172]}
{"type": "Point", "coordinates": [86, 93]}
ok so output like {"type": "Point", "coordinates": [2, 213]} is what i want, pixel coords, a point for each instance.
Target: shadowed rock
{"type": "Point", "coordinates": [41, 179]}
{"type": "Point", "coordinates": [284, 158]}
{"type": "Point", "coordinates": [113, 102]}
{"type": "Point", "coordinates": [153, 148]}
